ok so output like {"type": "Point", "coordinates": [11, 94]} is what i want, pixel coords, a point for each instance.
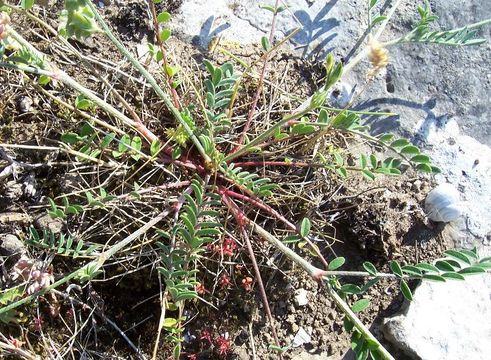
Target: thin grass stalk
{"type": "Point", "coordinates": [151, 80]}
{"type": "Point", "coordinates": [95, 264]}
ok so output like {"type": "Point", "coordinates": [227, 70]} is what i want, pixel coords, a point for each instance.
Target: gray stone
{"type": "Point", "coordinates": [10, 245]}
{"type": "Point", "coordinates": [47, 222]}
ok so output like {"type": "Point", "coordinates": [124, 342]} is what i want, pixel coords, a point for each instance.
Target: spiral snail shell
{"type": "Point", "coordinates": [340, 95]}
{"type": "Point", "coordinates": [442, 204]}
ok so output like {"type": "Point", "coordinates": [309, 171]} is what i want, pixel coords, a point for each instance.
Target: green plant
{"type": "Point", "coordinates": [61, 245]}
{"type": "Point", "coordinates": [210, 148]}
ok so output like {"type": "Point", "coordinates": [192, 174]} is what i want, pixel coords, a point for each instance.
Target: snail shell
{"type": "Point", "coordinates": [442, 204]}
{"type": "Point", "coordinates": [340, 95]}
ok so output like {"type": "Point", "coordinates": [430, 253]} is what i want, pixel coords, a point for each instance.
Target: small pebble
{"type": "Point", "coordinates": [302, 337]}
{"type": "Point", "coordinates": [301, 297]}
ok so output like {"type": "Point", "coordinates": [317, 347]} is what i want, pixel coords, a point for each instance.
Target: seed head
{"type": "Point", "coordinates": [378, 56]}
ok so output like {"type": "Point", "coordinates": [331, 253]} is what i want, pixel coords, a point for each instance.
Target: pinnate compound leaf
{"type": "Point", "coordinates": [26, 4]}
{"type": "Point", "coordinates": [378, 19]}
{"type": "Point", "coordinates": [351, 289]}
{"type": "Point", "coordinates": [410, 150]}
{"type": "Point", "coordinates": [265, 43]}
{"type": "Point", "coordinates": [424, 168]}
{"type": "Point", "coordinates": [165, 35]}
{"type": "Point", "coordinates": [472, 270]}
{"type": "Point", "coordinates": [427, 268]}
{"type": "Point", "coordinates": [368, 174]}
{"type": "Point", "coordinates": [457, 255]}
{"type": "Point", "coordinates": [421, 159]}
{"type": "Point", "coordinates": [370, 268]}
{"type": "Point", "coordinates": [396, 268]}
{"type": "Point", "coordinates": [155, 147]}
{"type": "Point", "coordinates": [412, 270]}
{"type": "Point", "coordinates": [444, 265]}
{"type": "Point", "coordinates": [433, 277]}
{"type": "Point", "coordinates": [163, 17]}
{"type": "Point", "coordinates": [472, 254]}
{"type": "Point", "coordinates": [453, 276]}
{"type": "Point", "coordinates": [400, 143]}
{"type": "Point", "coordinates": [305, 227]}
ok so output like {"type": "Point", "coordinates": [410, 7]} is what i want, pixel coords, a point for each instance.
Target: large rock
{"type": "Point", "coordinates": [448, 321]}
{"type": "Point", "coordinates": [245, 22]}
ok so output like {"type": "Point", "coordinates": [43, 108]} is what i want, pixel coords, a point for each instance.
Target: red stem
{"type": "Point", "coordinates": [273, 163]}
{"type": "Point", "coordinates": [241, 219]}
{"type": "Point", "coordinates": [260, 204]}
{"type": "Point", "coordinates": [259, 85]}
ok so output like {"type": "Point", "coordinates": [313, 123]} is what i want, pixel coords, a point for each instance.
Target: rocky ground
{"type": "Point", "coordinates": [442, 98]}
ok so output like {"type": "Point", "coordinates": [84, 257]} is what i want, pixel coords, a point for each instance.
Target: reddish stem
{"type": "Point", "coordinates": [242, 219]}
{"type": "Point", "coordinates": [175, 97]}
{"type": "Point", "coordinates": [259, 85]}
{"type": "Point", "coordinates": [260, 204]}
{"type": "Point", "coordinates": [273, 163]}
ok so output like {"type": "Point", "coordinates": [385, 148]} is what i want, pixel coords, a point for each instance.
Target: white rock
{"type": "Point", "coordinates": [302, 337]}
{"type": "Point", "coordinates": [443, 203]}
{"type": "Point", "coordinates": [142, 50]}
{"type": "Point", "coordinates": [301, 297]}
{"type": "Point", "coordinates": [450, 321]}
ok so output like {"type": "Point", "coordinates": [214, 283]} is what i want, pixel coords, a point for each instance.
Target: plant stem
{"type": "Point", "coordinates": [264, 297]}
{"type": "Point", "coordinates": [94, 264]}
{"type": "Point", "coordinates": [261, 205]}
{"type": "Point", "coordinates": [69, 81]}
{"type": "Point", "coordinates": [358, 324]}
{"type": "Point", "coordinates": [259, 88]}
{"type": "Point", "coordinates": [173, 92]}
{"type": "Point", "coordinates": [386, 21]}
{"type": "Point", "coordinates": [266, 134]}
{"type": "Point", "coordinates": [361, 55]}
{"type": "Point", "coordinates": [319, 274]}
{"type": "Point", "coordinates": [151, 80]}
